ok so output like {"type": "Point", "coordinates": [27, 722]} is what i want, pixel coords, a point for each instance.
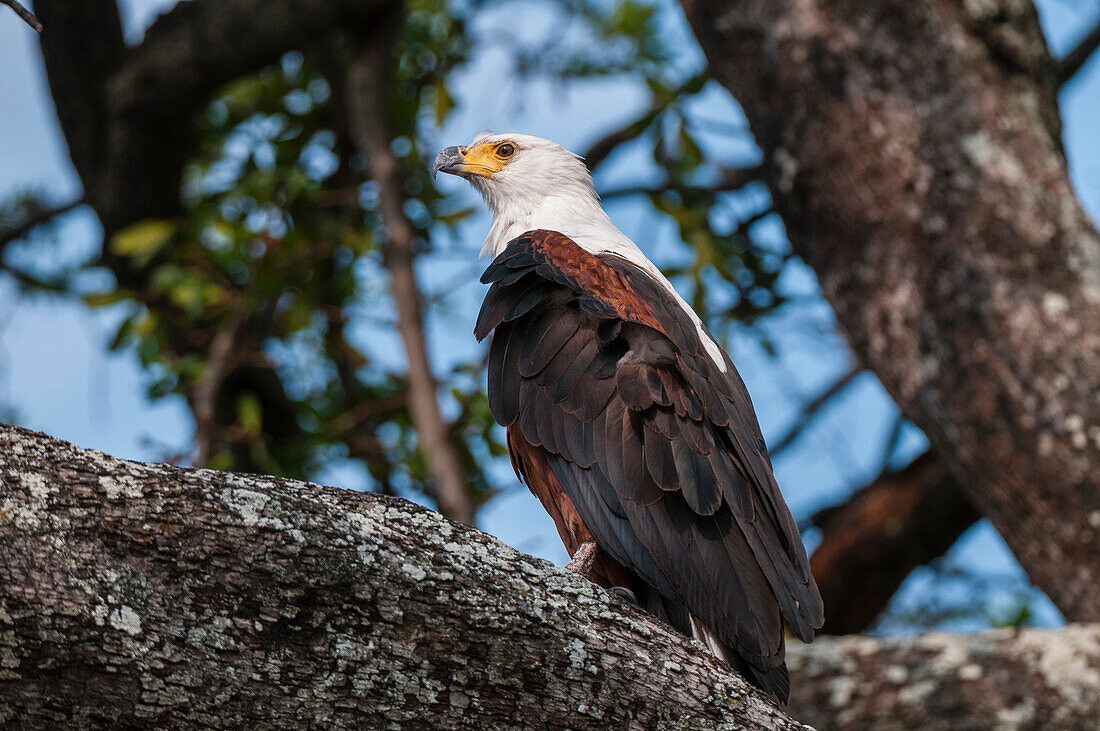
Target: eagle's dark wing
{"type": "Point", "coordinates": [657, 447]}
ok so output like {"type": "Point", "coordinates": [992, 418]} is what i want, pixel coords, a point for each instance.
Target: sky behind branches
{"type": "Point", "coordinates": [56, 373]}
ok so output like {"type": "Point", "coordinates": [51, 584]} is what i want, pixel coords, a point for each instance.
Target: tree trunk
{"type": "Point", "coordinates": [139, 595]}
{"type": "Point", "coordinates": [913, 150]}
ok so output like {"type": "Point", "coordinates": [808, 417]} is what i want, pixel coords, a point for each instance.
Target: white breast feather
{"type": "Point", "coordinates": [548, 187]}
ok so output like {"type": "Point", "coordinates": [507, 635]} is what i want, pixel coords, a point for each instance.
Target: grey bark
{"type": "Point", "coordinates": [136, 595]}
{"type": "Point", "coordinates": [1003, 679]}
{"type": "Point", "coordinates": [913, 150]}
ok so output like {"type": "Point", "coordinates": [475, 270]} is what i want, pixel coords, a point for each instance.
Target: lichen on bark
{"type": "Point", "coordinates": [138, 595]}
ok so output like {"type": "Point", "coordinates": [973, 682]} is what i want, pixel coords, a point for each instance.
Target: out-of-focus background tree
{"type": "Point", "coordinates": [246, 265]}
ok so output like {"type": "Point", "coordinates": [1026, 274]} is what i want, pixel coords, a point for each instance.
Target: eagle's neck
{"type": "Point", "coordinates": [574, 211]}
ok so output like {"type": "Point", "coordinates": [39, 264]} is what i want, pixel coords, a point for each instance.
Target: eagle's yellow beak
{"type": "Point", "coordinates": [484, 160]}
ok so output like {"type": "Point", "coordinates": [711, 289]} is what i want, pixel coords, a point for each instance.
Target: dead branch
{"type": "Point", "coordinates": [23, 13]}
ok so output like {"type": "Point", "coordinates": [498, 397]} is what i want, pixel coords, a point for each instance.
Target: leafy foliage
{"type": "Point", "coordinates": [272, 283]}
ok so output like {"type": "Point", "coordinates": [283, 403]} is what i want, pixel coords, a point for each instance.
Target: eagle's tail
{"type": "Point", "coordinates": [774, 680]}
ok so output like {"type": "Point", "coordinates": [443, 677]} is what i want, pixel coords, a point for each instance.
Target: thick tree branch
{"type": "Point", "coordinates": [133, 121]}
{"type": "Point", "coordinates": [26, 15]}
{"type": "Point", "coordinates": [83, 47]}
{"type": "Point", "coordinates": [1079, 55]}
{"type": "Point", "coordinates": [146, 595]}
{"type": "Point", "coordinates": [913, 152]}
{"type": "Point", "coordinates": [370, 129]}
{"type": "Point", "coordinates": [1002, 679]}
{"type": "Point", "coordinates": [871, 542]}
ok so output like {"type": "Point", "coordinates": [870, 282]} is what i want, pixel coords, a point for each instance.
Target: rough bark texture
{"type": "Point", "coordinates": [913, 150]}
{"type": "Point", "coordinates": [870, 543]}
{"type": "Point", "coordinates": [1003, 679]}
{"type": "Point", "coordinates": [139, 595]}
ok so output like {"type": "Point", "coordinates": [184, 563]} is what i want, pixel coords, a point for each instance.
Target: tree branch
{"type": "Point", "coordinates": [83, 47]}
{"type": "Point", "coordinates": [370, 129]}
{"type": "Point", "coordinates": [1072, 62]}
{"type": "Point", "coordinates": [192, 598]}
{"type": "Point", "coordinates": [25, 14]}
{"type": "Point", "coordinates": [1008, 679]}
{"type": "Point", "coordinates": [128, 115]}
{"type": "Point", "coordinates": [221, 357]}
{"type": "Point", "coordinates": [35, 219]}
{"type": "Point", "coordinates": [810, 411]}
{"type": "Point", "coordinates": [871, 542]}
{"type": "Point", "coordinates": [603, 147]}
{"type": "Point", "coordinates": [729, 179]}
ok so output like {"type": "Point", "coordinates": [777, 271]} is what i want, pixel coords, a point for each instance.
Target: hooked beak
{"type": "Point", "coordinates": [450, 160]}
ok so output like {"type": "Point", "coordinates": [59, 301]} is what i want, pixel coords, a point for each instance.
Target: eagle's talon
{"type": "Point", "coordinates": [623, 593]}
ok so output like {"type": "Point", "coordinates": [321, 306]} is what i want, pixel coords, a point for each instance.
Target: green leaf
{"type": "Point", "coordinates": [250, 413]}
{"type": "Point", "coordinates": [143, 238]}
{"type": "Point", "coordinates": [102, 299]}
{"type": "Point", "coordinates": [444, 103]}
{"type": "Point", "coordinates": [187, 295]}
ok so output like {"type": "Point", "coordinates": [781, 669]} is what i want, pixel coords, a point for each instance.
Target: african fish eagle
{"type": "Point", "coordinates": [625, 417]}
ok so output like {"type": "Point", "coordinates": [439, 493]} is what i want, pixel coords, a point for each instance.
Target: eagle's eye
{"type": "Point", "coordinates": [506, 150]}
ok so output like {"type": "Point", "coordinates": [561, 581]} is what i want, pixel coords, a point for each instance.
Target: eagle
{"type": "Point", "coordinates": [625, 417]}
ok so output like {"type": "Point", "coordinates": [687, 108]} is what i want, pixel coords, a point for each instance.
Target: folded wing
{"type": "Point", "coordinates": [598, 363]}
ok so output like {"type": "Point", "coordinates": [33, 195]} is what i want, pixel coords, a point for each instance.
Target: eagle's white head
{"type": "Point", "coordinates": [531, 183]}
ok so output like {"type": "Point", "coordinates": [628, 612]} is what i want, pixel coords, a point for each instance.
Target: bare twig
{"type": "Point", "coordinates": [604, 146]}
{"type": "Point", "coordinates": [1076, 58]}
{"type": "Point", "coordinates": [366, 90]}
{"type": "Point", "coordinates": [811, 409]}
{"type": "Point", "coordinates": [36, 219]}
{"type": "Point", "coordinates": [23, 13]}
{"type": "Point", "coordinates": [220, 359]}
{"type": "Point", "coordinates": [744, 225]}
{"type": "Point", "coordinates": [31, 282]}
{"type": "Point", "coordinates": [729, 179]}
{"type": "Point", "coordinates": [891, 443]}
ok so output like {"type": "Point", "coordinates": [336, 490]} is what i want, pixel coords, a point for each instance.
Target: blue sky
{"type": "Point", "coordinates": [56, 372]}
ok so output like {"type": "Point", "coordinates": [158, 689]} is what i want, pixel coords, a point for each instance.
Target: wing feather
{"type": "Point", "coordinates": [656, 446]}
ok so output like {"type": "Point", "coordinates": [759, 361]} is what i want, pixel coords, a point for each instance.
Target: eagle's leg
{"type": "Point", "coordinates": [584, 559]}
{"type": "Point", "coordinates": [584, 563]}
